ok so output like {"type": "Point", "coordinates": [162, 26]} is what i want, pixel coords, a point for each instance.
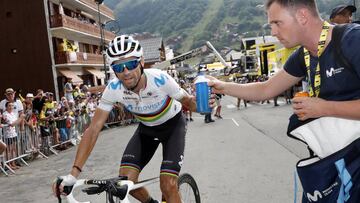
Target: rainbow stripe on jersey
{"type": "Point", "coordinates": [158, 114]}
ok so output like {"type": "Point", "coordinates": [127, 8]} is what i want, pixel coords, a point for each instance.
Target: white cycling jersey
{"type": "Point", "coordinates": [154, 105]}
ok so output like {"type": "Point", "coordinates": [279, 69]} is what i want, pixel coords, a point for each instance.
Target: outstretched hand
{"type": "Point", "coordinates": [217, 86]}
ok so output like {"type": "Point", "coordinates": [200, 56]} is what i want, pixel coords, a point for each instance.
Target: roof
{"type": "Point", "coordinates": [151, 48]}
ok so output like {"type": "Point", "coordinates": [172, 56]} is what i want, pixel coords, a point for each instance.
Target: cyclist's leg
{"type": "Point", "coordinates": [173, 154]}
{"type": "Point", "coordinates": [137, 154]}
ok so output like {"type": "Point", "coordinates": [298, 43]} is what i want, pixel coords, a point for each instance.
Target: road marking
{"type": "Point", "coordinates": [231, 106]}
{"type": "Point", "coordinates": [235, 122]}
{"type": "Point", "coordinates": [197, 117]}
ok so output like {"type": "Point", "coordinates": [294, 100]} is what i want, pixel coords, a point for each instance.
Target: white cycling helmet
{"type": "Point", "coordinates": [123, 46]}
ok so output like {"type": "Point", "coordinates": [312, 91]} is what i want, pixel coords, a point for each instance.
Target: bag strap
{"type": "Point", "coordinates": [341, 60]}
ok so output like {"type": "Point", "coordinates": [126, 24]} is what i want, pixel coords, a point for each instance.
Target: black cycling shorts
{"type": "Point", "coordinates": [146, 140]}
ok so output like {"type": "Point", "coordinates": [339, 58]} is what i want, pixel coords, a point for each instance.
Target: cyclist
{"type": "Point", "coordinates": [156, 100]}
{"type": "Point", "coordinates": [328, 120]}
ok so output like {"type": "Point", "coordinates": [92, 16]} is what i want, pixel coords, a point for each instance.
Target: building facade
{"type": "Point", "coordinates": [45, 42]}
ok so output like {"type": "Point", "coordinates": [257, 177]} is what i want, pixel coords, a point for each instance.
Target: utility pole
{"type": "Point", "coordinates": [102, 40]}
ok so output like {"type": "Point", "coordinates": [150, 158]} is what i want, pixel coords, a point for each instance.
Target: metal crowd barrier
{"type": "Point", "coordinates": [30, 143]}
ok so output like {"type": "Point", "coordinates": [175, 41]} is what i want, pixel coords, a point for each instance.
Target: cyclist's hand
{"type": "Point", "coordinates": [63, 185]}
{"type": "Point", "coordinates": [308, 107]}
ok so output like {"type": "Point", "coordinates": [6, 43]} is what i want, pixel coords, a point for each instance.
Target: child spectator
{"type": "Point", "coordinates": [10, 135]}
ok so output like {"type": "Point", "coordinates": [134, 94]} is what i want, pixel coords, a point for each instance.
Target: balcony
{"type": "Point", "coordinates": [78, 59]}
{"type": "Point", "coordinates": [103, 9]}
{"type": "Point", "coordinates": [63, 26]}
{"type": "Point", "coordinates": [89, 6]}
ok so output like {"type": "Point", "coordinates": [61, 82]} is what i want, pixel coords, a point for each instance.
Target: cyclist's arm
{"type": "Point", "coordinates": [188, 101]}
{"type": "Point", "coordinates": [88, 140]}
{"type": "Point", "coordinates": [257, 91]}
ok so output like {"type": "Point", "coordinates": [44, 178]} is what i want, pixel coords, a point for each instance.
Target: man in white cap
{"type": "Point", "coordinates": [10, 97]}
{"type": "Point", "coordinates": [342, 14]}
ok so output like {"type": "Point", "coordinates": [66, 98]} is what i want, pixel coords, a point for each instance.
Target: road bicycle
{"type": "Point", "coordinates": [120, 187]}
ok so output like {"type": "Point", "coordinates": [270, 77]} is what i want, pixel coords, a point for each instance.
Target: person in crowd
{"type": "Point", "coordinates": [39, 101]}
{"type": "Point", "coordinates": [186, 111]}
{"type": "Point", "coordinates": [2, 147]}
{"type": "Point", "coordinates": [2, 144]}
{"type": "Point", "coordinates": [342, 14]}
{"type": "Point", "coordinates": [11, 118]}
{"type": "Point", "coordinates": [242, 80]}
{"type": "Point", "coordinates": [155, 99]}
{"type": "Point", "coordinates": [68, 90]}
{"type": "Point", "coordinates": [333, 107]}
{"type": "Point", "coordinates": [91, 106]}
{"type": "Point", "coordinates": [61, 118]}
{"type": "Point", "coordinates": [218, 105]}
{"type": "Point", "coordinates": [10, 97]}
{"type": "Point", "coordinates": [288, 94]}
{"type": "Point", "coordinates": [47, 118]}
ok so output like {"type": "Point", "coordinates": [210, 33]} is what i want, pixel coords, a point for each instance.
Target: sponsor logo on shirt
{"type": "Point", "coordinates": [160, 81]}
{"type": "Point", "coordinates": [115, 85]}
{"type": "Point", "coordinates": [332, 72]}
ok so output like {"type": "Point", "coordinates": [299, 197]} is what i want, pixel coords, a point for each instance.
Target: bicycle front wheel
{"type": "Point", "coordinates": [188, 189]}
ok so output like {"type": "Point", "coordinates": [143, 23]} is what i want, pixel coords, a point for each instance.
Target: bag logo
{"type": "Point", "coordinates": [314, 198]}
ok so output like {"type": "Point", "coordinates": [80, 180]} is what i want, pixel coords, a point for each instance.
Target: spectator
{"type": "Point", "coordinates": [218, 104]}
{"type": "Point", "coordinates": [2, 147]}
{"type": "Point", "coordinates": [2, 144]}
{"type": "Point", "coordinates": [342, 14]}
{"type": "Point", "coordinates": [38, 101]}
{"type": "Point", "coordinates": [61, 120]}
{"type": "Point", "coordinates": [68, 90]}
{"type": "Point", "coordinates": [91, 106]}
{"type": "Point", "coordinates": [10, 97]}
{"type": "Point", "coordinates": [11, 119]}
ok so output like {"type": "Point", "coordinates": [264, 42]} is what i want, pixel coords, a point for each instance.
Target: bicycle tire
{"type": "Point", "coordinates": [188, 189]}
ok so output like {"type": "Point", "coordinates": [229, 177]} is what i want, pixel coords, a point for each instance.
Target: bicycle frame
{"type": "Point", "coordinates": [130, 186]}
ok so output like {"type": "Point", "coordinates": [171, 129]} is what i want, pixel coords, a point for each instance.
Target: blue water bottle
{"type": "Point", "coordinates": [203, 92]}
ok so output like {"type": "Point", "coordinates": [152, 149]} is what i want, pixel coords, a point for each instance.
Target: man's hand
{"type": "Point", "coordinates": [308, 107]}
{"type": "Point", "coordinates": [68, 180]}
{"type": "Point", "coordinates": [216, 85]}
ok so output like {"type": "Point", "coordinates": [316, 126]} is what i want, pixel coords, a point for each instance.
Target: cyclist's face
{"type": "Point", "coordinates": [129, 78]}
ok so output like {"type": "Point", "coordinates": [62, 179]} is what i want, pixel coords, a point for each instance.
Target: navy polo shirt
{"type": "Point", "coordinates": [337, 83]}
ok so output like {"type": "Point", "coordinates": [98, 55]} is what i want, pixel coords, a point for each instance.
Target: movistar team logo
{"type": "Point", "coordinates": [330, 73]}
{"type": "Point", "coordinates": [129, 107]}
{"type": "Point", "coordinates": [160, 81]}
{"type": "Point", "coordinates": [115, 85]}
{"type": "Point", "coordinates": [315, 197]}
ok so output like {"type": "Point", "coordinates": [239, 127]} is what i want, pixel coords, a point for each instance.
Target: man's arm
{"type": "Point", "coordinates": [258, 91]}
{"type": "Point", "coordinates": [88, 140]}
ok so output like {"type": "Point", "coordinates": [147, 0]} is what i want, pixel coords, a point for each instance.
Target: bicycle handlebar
{"type": "Point", "coordinates": [70, 198]}
{"type": "Point", "coordinates": [118, 187]}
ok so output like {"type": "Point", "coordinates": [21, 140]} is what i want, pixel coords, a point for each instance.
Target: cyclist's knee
{"type": "Point", "coordinates": [132, 174]}
{"type": "Point", "coordinates": [168, 184]}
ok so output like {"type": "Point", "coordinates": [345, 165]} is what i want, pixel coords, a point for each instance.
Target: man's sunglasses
{"type": "Point", "coordinates": [130, 65]}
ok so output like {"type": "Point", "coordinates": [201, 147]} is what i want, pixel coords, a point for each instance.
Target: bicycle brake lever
{"type": "Point", "coordinates": [68, 189]}
{"type": "Point", "coordinates": [94, 190]}
{"type": "Point", "coordinates": [57, 189]}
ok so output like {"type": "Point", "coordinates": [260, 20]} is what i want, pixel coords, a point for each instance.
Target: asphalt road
{"type": "Point", "coordinates": [245, 157]}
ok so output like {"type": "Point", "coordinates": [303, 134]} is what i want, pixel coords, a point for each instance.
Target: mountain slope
{"type": "Point", "coordinates": [187, 24]}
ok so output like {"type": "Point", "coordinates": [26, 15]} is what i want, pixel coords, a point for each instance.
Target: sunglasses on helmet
{"type": "Point", "coordinates": [130, 65]}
